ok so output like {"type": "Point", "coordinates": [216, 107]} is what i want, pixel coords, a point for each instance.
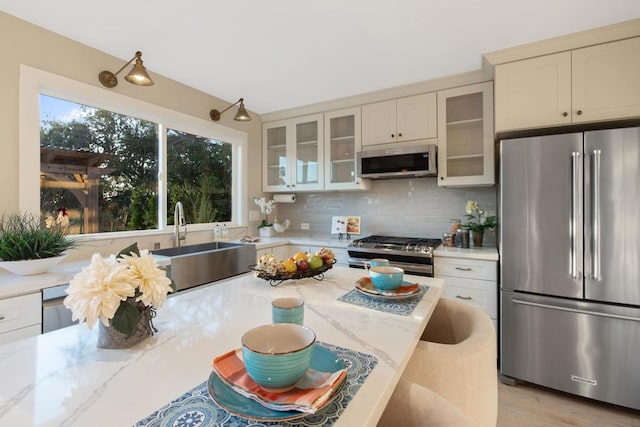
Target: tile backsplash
{"type": "Point", "coordinates": [414, 207]}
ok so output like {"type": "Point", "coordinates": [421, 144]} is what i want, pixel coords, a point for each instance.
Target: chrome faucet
{"type": "Point", "coordinates": [178, 222]}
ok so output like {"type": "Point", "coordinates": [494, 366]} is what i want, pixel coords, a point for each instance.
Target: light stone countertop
{"type": "Point", "coordinates": [61, 378]}
{"type": "Point", "coordinates": [486, 253]}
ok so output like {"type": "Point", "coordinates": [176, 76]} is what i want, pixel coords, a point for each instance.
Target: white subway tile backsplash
{"type": "Point", "coordinates": [402, 207]}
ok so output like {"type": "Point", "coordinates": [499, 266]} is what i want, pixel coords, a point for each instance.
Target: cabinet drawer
{"type": "Point", "coordinates": [20, 312]}
{"type": "Point", "coordinates": [467, 268]}
{"type": "Point", "coordinates": [479, 293]}
{"type": "Point", "coordinates": [18, 334]}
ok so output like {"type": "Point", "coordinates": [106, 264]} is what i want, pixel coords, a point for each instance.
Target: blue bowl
{"type": "Point", "coordinates": [386, 278]}
{"type": "Point", "coordinates": [276, 356]}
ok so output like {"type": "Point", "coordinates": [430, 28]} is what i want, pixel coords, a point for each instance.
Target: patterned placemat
{"type": "Point", "coordinates": [403, 307]}
{"type": "Point", "coordinates": [195, 408]}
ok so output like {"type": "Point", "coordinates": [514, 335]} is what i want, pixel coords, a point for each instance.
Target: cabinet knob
{"type": "Point", "coordinates": [442, 177]}
{"type": "Point", "coordinates": [565, 114]}
{"type": "Point", "coordinates": [579, 112]}
{"type": "Point", "coordinates": [399, 134]}
{"type": "Point", "coordinates": [392, 135]}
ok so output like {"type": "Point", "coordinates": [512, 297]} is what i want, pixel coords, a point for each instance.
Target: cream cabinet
{"type": "Point", "coordinates": [465, 142]}
{"type": "Point", "coordinates": [342, 143]}
{"type": "Point", "coordinates": [292, 154]}
{"type": "Point", "coordinates": [280, 252]}
{"type": "Point", "coordinates": [20, 317]}
{"type": "Point", "coordinates": [398, 120]}
{"type": "Point", "coordinates": [595, 83]}
{"type": "Point", "coordinates": [471, 281]}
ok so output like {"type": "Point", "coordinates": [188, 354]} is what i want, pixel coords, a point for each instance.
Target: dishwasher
{"type": "Point", "coordinates": [54, 313]}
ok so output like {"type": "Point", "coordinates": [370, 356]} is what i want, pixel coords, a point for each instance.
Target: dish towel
{"type": "Point", "coordinates": [309, 393]}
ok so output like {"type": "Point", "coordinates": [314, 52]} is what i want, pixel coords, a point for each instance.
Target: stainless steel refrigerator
{"type": "Point", "coordinates": [570, 263]}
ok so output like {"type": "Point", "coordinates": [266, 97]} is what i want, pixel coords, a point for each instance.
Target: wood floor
{"type": "Point", "coordinates": [527, 405]}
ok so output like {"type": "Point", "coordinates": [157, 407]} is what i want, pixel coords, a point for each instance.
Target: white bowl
{"type": "Point", "coordinates": [30, 267]}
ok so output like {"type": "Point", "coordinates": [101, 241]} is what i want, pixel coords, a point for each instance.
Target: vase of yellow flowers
{"type": "Point", "coordinates": [477, 222]}
{"type": "Point", "coordinates": [122, 292]}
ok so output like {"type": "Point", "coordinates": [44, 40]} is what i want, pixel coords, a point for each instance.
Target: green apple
{"type": "Point", "coordinates": [315, 262]}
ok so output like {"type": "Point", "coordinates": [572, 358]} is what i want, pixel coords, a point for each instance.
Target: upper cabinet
{"type": "Point", "coordinates": [292, 154]}
{"type": "Point", "coordinates": [342, 143]}
{"type": "Point", "coordinates": [398, 120]}
{"type": "Point", "coordinates": [595, 83]}
{"type": "Point", "coordinates": [465, 144]}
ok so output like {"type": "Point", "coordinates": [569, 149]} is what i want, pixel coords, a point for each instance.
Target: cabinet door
{"type": "Point", "coordinates": [606, 81]}
{"type": "Point", "coordinates": [465, 145]}
{"type": "Point", "coordinates": [276, 169]}
{"type": "Point", "coordinates": [342, 133]}
{"type": "Point", "coordinates": [379, 123]}
{"type": "Point", "coordinates": [533, 92]}
{"type": "Point", "coordinates": [416, 117]}
{"type": "Point", "coordinates": [308, 140]}
{"type": "Point", "coordinates": [292, 154]}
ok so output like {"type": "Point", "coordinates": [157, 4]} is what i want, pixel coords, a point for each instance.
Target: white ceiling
{"type": "Point", "coordinates": [281, 54]}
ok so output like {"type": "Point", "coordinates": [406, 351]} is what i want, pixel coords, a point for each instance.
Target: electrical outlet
{"type": "Point", "coordinates": [156, 245]}
{"type": "Point", "coordinates": [254, 215]}
{"type": "Point", "coordinates": [304, 226]}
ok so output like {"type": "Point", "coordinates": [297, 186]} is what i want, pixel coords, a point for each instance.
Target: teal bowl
{"type": "Point", "coordinates": [276, 356]}
{"type": "Point", "coordinates": [386, 278]}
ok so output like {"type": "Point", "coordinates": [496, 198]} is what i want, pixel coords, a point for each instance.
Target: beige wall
{"type": "Point", "coordinates": [24, 43]}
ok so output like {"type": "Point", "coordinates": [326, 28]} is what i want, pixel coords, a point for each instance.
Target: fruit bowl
{"type": "Point", "coordinates": [278, 278]}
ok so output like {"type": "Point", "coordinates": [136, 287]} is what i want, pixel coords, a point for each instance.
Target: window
{"type": "Point", "coordinates": [111, 163]}
{"type": "Point", "coordinates": [98, 169]}
{"type": "Point", "coordinates": [199, 171]}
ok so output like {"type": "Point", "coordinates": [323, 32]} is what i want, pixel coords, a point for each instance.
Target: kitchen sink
{"type": "Point", "coordinates": [194, 265]}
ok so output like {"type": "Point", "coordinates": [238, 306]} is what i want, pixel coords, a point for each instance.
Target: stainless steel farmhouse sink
{"type": "Point", "coordinates": [195, 265]}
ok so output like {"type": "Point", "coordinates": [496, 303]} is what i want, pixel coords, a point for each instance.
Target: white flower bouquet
{"type": "Point", "coordinates": [115, 289]}
{"type": "Point", "coordinates": [476, 219]}
{"type": "Point", "coordinates": [266, 207]}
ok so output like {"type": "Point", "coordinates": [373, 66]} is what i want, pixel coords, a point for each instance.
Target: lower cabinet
{"type": "Point", "coordinates": [470, 281]}
{"type": "Point", "coordinates": [20, 317]}
{"type": "Point", "coordinates": [280, 252]}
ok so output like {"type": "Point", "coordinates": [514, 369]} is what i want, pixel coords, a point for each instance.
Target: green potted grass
{"type": "Point", "coordinates": [27, 247]}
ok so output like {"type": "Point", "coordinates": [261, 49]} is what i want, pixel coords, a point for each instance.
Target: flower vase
{"type": "Point", "coordinates": [477, 239]}
{"type": "Point", "coordinates": [266, 231]}
{"type": "Point", "coordinates": [109, 337]}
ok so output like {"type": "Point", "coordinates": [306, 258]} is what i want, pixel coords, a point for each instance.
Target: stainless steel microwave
{"type": "Point", "coordinates": [401, 162]}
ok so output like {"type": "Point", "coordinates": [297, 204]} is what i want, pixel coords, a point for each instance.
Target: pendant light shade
{"type": "Point", "coordinates": [241, 115]}
{"type": "Point", "coordinates": [137, 76]}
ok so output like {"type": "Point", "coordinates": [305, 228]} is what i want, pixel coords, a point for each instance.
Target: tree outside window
{"type": "Point", "coordinates": [99, 170]}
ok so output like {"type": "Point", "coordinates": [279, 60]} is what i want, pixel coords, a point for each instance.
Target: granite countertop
{"type": "Point", "coordinates": [61, 378]}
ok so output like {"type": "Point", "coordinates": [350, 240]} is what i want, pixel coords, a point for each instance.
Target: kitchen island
{"type": "Point", "coordinates": [61, 378]}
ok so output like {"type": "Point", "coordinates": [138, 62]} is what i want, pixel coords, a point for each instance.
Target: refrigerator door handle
{"type": "Point", "coordinates": [575, 310]}
{"type": "Point", "coordinates": [595, 221]}
{"type": "Point", "coordinates": [575, 206]}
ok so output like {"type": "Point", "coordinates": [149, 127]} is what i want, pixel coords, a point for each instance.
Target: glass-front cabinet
{"type": "Point", "coordinates": [465, 136]}
{"type": "Point", "coordinates": [292, 153]}
{"type": "Point", "coordinates": [343, 141]}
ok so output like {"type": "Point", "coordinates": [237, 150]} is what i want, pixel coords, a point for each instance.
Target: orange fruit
{"type": "Point", "coordinates": [300, 255]}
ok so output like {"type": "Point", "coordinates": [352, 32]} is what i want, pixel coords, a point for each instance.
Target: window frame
{"type": "Point", "coordinates": [34, 82]}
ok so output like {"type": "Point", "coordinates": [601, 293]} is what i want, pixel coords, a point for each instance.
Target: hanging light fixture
{"type": "Point", "coordinates": [138, 74]}
{"type": "Point", "coordinates": [241, 115]}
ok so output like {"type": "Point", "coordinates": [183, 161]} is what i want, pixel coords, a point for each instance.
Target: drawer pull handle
{"type": "Point", "coordinates": [461, 297]}
{"type": "Point", "coordinates": [463, 268]}
{"type": "Point", "coordinates": [1, 317]}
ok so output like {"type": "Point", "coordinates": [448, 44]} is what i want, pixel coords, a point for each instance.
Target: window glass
{"type": "Point", "coordinates": [200, 175]}
{"type": "Point", "coordinates": [98, 169]}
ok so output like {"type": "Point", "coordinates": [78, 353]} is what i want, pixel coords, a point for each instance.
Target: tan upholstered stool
{"type": "Point", "coordinates": [456, 358]}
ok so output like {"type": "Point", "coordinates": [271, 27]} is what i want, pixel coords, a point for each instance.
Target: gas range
{"type": "Point", "coordinates": [413, 254]}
